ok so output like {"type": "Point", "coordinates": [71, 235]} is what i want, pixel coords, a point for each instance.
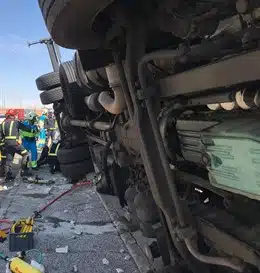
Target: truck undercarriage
{"type": "Point", "coordinates": [163, 97]}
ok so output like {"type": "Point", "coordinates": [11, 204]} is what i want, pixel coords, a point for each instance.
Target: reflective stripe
{"type": "Point", "coordinates": [11, 137]}
{"type": "Point", "coordinates": [11, 128]}
{"type": "Point", "coordinates": [56, 151]}
{"type": "Point", "coordinates": [27, 134]}
{"type": "Point", "coordinates": [23, 152]}
{"type": "Point", "coordinates": [3, 156]}
{"type": "Point", "coordinates": [33, 164]}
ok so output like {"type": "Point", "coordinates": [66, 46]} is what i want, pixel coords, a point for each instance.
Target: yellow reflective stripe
{"type": "Point", "coordinates": [11, 137]}
{"type": "Point", "coordinates": [23, 152]}
{"type": "Point", "coordinates": [11, 127]}
{"type": "Point", "coordinates": [57, 148]}
{"type": "Point", "coordinates": [56, 151]}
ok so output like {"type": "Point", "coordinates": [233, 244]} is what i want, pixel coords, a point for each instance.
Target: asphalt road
{"type": "Point", "coordinates": [62, 224]}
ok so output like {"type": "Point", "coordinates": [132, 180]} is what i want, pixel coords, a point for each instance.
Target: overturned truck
{"type": "Point", "coordinates": [163, 99]}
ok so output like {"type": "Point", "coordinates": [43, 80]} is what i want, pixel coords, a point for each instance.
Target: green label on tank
{"type": "Point", "coordinates": [235, 163]}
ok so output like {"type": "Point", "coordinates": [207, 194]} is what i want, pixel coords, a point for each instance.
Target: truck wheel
{"type": "Point", "coordinates": [48, 81]}
{"type": "Point", "coordinates": [77, 170]}
{"type": "Point", "coordinates": [64, 18]}
{"type": "Point", "coordinates": [75, 154]}
{"type": "Point", "coordinates": [51, 96]}
{"type": "Point", "coordinates": [72, 93]}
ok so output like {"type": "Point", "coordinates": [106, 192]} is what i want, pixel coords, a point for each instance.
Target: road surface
{"type": "Point", "coordinates": [99, 249]}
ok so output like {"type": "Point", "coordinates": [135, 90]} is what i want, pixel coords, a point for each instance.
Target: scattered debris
{"type": "Point", "coordinates": [75, 268]}
{"type": "Point", "coordinates": [64, 249]}
{"type": "Point", "coordinates": [122, 251]}
{"type": "Point", "coordinates": [78, 232]}
{"type": "Point", "coordinates": [119, 270]}
{"type": "Point", "coordinates": [105, 261]}
{"type": "Point", "coordinates": [4, 188]}
{"type": "Point", "coordinates": [72, 222]}
{"type": "Point", "coordinates": [65, 211]}
{"type": "Point", "coordinates": [29, 187]}
{"type": "Point", "coordinates": [127, 257]}
{"type": "Point", "coordinates": [16, 183]}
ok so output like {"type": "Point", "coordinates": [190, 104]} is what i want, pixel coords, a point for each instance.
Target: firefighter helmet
{"type": "Point", "coordinates": [31, 116]}
{"type": "Point", "coordinates": [11, 113]}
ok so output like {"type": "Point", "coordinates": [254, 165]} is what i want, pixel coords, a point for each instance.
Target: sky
{"type": "Point", "coordinates": [21, 21]}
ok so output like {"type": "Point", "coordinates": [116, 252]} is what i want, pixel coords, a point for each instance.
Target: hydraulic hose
{"type": "Point", "coordinates": [142, 69]}
{"type": "Point", "coordinates": [228, 262]}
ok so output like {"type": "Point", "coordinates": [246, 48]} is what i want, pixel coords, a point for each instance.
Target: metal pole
{"type": "Point", "coordinates": [53, 50]}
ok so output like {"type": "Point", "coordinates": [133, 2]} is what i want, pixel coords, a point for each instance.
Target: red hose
{"type": "Point", "coordinates": [78, 185]}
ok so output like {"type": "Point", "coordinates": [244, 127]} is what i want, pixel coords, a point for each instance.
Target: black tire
{"type": "Point", "coordinates": [73, 94]}
{"type": "Point", "coordinates": [81, 76]}
{"type": "Point", "coordinates": [51, 96]}
{"type": "Point", "coordinates": [72, 155]}
{"type": "Point", "coordinates": [48, 81]}
{"type": "Point", "coordinates": [64, 18]}
{"type": "Point", "coordinates": [94, 80]}
{"type": "Point", "coordinates": [78, 170]}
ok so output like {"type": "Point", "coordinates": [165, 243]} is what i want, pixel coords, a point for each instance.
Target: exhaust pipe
{"type": "Point", "coordinates": [116, 104]}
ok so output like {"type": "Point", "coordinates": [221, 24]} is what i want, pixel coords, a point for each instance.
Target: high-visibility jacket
{"type": "Point", "coordinates": [52, 124]}
{"type": "Point", "coordinates": [9, 129]}
{"type": "Point", "coordinates": [29, 135]}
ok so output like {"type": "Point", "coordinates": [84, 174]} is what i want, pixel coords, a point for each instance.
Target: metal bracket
{"type": "Point", "coordinates": [146, 93]}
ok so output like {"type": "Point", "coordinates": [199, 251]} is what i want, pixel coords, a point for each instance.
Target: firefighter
{"type": "Point", "coordinates": [52, 155]}
{"type": "Point", "coordinates": [52, 127]}
{"type": "Point", "coordinates": [43, 124]}
{"type": "Point", "coordinates": [9, 133]}
{"type": "Point", "coordinates": [29, 138]}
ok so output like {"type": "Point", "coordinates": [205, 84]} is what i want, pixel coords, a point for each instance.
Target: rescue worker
{"type": "Point", "coordinates": [9, 133]}
{"type": "Point", "coordinates": [29, 138]}
{"type": "Point", "coordinates": [52, 155]}
{"type": "Point", "coordinates": [43, 125]}
{"type": "Point", "coordinates": [52, 126]}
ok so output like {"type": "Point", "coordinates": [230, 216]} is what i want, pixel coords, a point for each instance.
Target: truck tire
{"type": "Point", "coordinates": [75, 154]}
{"type": "Point", "coordinates": [51, 96]}
{"type": "Point", "coordinates": [77, 170]}
{"type": "Point", "coordinates": [48, 81]}
{"type": "Point", "coordinates": [73, 94]}
{"type": "Point", "coordinates": [64, 18]}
